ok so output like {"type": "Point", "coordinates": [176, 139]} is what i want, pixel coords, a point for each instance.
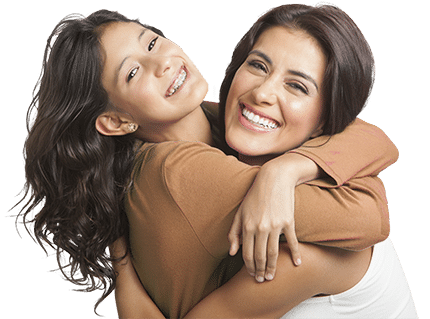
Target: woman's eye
{"type": "Point", "coordinates": [152, 44]}
{"type": "Point", "coordinates": [257, 65]}
{"type": "Point", "coordinates": [299, 87]}
{"type": "Point", "coordinates": [132, 74]}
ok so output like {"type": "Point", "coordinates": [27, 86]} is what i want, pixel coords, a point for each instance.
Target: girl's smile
{"type": "Point", "coordinates": [150, 78]}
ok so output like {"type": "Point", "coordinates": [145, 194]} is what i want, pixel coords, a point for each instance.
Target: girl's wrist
{"type": "Point", "coordinates": [295, 169]}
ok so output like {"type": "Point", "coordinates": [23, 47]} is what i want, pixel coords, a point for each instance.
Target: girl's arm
{"type": "Point", "coordinates": [183, 168]}
{"type": "Point", "coordinates": [362, 150]}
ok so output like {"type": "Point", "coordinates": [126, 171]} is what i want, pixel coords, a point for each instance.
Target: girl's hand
{"type": "Point", "coordinates": [267, 212]}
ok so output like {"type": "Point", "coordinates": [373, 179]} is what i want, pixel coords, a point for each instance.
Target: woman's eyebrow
{"type": "Point", "coordinates": [261, 55]}
{"type": "Point", "coordinates": [293, 72]}
{"type": "Point", "coordinates": [125, 59]}
{"type": "Point", "coordinates": [305, 76]}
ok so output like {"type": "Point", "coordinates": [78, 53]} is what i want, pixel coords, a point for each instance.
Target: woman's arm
{"type": "Point", "coordinates": [132, 300]}
{"type": "Point", "coordinates": [324, 271]}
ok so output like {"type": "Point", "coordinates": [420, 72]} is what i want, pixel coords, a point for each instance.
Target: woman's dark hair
{"type": "Point", "coordinates": [77, 176]}
{"type": "Point", "coordinates": [349, 74]}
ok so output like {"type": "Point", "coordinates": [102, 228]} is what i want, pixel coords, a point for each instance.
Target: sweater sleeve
{"type": "Point", "coordinates": [209, 186]}
{"type": "Point", "coordinates": [360, 150]}
{"type": "Point", "coordinates": [353, 216]}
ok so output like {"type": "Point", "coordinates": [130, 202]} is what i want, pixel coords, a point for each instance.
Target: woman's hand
{"type": "Point", "coordinates": [267, 212]}
{"type": "Point", "coordinates": [132, 300]}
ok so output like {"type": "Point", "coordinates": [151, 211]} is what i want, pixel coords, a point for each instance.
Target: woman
{"type": "Point", "coordinates": [279, 71]}
{"type": "Point", "coordinates": [83, 212]}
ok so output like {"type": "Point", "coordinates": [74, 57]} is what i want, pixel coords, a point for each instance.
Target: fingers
{"type": "Point", "coordinates": [248, 251]}
{"type": "Point", "coordinates": [260, 255]}
{"type": "Point", "coordinates": [235, 234]}
{"type": "Point", "coordinates": [293, 244]}
{"type": "Point", "coordinates": [261, 251]}
{"type": "Point", "coordinates": [272, 256]}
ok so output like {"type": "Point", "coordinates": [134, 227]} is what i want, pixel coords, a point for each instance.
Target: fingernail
{"type": "Point", "coordinates": [259, 278]}
{"type": "Point", "coordinates": [269, 277]}
{"type": "Point", "coordinates": [252, 274]}
{"type": "Point", "coordinates": [298, 262]}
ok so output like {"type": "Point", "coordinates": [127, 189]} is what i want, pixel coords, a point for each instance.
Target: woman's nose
{"type": "Point", "coordinates": [264, 94]}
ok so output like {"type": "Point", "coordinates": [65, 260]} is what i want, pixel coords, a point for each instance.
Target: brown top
{"type": "Point", "coordinates": [185, 196]}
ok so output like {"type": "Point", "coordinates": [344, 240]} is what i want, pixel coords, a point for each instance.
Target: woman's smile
{"type": "Point", "coordinates": [274, 103]}
{"type": "Point", "coordinates": [255, 120]}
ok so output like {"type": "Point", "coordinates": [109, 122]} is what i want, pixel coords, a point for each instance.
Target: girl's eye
{"type": "Point", "coordinates": [152, 44]}
{"type": "Point", "coordinates": [257, 65]}
{"type": "Point", "coordinates": [299, 87]}
{"type": "Point", "coordinates": [132, 74]}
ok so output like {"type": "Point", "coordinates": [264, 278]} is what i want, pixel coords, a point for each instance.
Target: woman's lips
{"type": "Point", "coordinates": [255, 120]}
{"type": "Point", "coordinates": [178, 82]}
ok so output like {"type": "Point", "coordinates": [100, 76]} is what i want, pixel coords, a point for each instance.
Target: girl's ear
{"type": "Point", "coordinates": [113, 124]}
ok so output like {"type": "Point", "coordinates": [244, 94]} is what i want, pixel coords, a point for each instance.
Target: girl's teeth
{"type": "Point", "coordinates": [179, 81]}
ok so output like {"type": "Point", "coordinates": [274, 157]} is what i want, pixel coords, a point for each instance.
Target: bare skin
{"type": "Point", "coordinates": [325, 271]}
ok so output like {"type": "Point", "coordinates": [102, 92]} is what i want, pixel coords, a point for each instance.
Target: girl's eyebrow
{"type": "Point", "coordinates": [293, 72]}
{"type": "Point", "coordinates": [117, 71]}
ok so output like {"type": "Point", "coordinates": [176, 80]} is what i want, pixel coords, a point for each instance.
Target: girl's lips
{"type": "Point", "coordinates": [178, 82]}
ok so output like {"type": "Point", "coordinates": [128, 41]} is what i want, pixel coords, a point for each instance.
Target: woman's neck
{"type": "Point", "coordinates": [256, 160]}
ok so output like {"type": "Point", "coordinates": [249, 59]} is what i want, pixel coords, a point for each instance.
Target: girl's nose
{"type": "Point", "coordinates": [162, 65]}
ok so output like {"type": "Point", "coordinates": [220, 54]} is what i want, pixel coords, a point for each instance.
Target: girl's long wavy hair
{"type": "Point", "coordinates": [77, 176]}
{"type": "Point", "coordinates": [349, 74]}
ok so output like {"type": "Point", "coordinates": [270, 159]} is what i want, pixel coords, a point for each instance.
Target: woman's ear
{"type": "Point", "coordinates": [113, 124]}
{"type": "Point", "coordinates": [319, 130]}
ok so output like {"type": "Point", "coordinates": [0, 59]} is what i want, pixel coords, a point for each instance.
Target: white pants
{"type": "Point", "coordinates": [382, 293]}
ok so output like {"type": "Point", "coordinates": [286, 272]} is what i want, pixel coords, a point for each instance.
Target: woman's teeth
{"type": "Point", "coordinates": [178, 82]}
{"type": "Point", "coordinates": [256, 119]}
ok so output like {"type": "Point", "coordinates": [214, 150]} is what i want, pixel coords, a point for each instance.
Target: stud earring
{"type": "Point", "coordinates": [132, 127]}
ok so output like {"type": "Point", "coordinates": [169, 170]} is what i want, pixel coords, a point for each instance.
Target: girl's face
{"type": "Point", "coordinates": [275, 101]}
{"type": "Point", "coordinates": [149, 77]}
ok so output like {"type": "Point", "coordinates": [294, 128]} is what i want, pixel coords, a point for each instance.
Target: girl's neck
{"type": "Point", "coordinates": [194, 127]}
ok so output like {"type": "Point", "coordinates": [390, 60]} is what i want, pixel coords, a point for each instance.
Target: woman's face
{"type": "Point", "coordinates": [275, 101]}
{"type": "Point", "coordinates": [149, 77]}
